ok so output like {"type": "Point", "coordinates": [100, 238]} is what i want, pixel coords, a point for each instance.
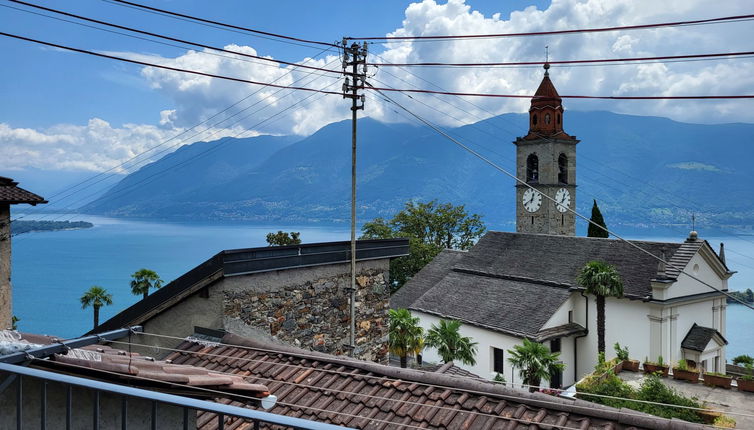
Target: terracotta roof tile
{"type": "Point", "coordinates": [11, 194]}
{"type": "Point", "coordinates": [366, 395]}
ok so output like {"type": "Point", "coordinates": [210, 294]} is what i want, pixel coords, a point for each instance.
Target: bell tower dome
{"type": "Point", "coordinates": [546, 160]}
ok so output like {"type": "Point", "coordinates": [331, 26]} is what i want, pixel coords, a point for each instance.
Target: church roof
{"type": "Point", "coordinates": [698, 338]}
{"type": "Point", "coordinates": [514, 282]}
{"type": "Point", "coordinates": [546, 93]}
{"type": "Point", "coordinates": [10, 193]}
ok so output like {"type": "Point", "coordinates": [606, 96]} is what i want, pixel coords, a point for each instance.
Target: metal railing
{"type": "Point", "coordinates": [188, 404]}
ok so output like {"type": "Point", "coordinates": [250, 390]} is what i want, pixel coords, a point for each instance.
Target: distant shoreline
{"type": "Point", "coordinates": [20, 227]}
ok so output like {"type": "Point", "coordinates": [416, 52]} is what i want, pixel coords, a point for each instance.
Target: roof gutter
{"type": "Point", "coordinates": [575, 339]}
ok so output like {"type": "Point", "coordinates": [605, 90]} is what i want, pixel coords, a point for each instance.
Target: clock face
{"type": "Point", "coordinates": [532, 200]}
{"type": "Point", "coordinates": [563, 199]}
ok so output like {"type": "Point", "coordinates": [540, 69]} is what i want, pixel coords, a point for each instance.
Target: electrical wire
{"type": "Point", "coordinates": [175, 69]}
{"type": "Point", "coordinates": [201, 45]}
{"type": "Point", "coordinates": [564, 62]}
{"type": "Point", "coordinates": [236, 27]}
{"type": "Point", "coordinates": [727, 19]}
{"type": "Point", "coordinates": [385, 379]}
{"type": "Point", "coordinates": [524, 183]}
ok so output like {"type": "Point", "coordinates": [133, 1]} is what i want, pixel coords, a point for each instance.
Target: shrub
{"type": "Point", "coordinates": [499, 378]}
{"type": "Point", "coordinates": [622, 353]}
{"type": "Point", "coordinates": [682, 365]}
{"type": "Point", "coordinates": [724, 422]}
{"type": "Point", "coordinates": [750, 372]}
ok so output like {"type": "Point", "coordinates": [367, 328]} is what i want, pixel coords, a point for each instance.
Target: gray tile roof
{"type": "Point", "coordinates": [514, 282]}
{"type": "Point", "coordinates": [698, 337]}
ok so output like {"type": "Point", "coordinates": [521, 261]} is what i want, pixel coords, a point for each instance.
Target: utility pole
{"type": "Point", "coordinates": [354, 56]}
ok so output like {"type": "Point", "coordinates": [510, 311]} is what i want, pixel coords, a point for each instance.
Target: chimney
{"type": "Point", "coordinates": [722, 252]}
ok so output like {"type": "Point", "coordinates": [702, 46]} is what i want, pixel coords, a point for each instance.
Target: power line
{"type": "Point", "coordinates": [174, 69]}
{"type": "Point", "coordinates": [201, 45]}
{"type": "Point", "coordinates": [523, 96]}
{"type": "Point", "coordinates": [539, 63]}
{"type": "Point", "coordinates": [250, 30]}
{"type": "Point", "coordinates": [524, 183]}
{"type": "Point", "coordinates": [572, 31]}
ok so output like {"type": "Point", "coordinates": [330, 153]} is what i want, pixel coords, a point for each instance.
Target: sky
{"type": "Point", "coordinates": [72, 112]}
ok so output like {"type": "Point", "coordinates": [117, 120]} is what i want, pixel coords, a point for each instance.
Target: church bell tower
{"type": "Point", "coordinates": [546, 160]}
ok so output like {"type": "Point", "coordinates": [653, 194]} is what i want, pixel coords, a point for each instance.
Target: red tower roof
{"type": "Point", "coordinates": [546, 112]}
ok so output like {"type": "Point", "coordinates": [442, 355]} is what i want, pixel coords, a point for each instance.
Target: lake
{"type": "Point", "coordinates": [51, 270]}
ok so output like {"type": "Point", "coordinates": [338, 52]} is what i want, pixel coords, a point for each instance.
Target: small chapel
{"type": "Point", "coordinates": [514, 286]}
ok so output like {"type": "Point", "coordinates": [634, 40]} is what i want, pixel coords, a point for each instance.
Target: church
{"type": "Point", "coordinates": [515, 286]}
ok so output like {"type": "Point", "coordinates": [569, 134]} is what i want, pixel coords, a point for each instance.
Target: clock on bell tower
{"type": "Point", "coordinates": [546, 160]}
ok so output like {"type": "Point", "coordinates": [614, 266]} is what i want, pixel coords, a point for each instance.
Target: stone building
{"type": "Point", "coordinates": [10, 194]}
{"type": "Point", "coordinates": [299, 294]}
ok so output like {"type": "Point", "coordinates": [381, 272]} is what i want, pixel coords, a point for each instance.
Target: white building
{"type": "Point", "coordinates": [511, 286]}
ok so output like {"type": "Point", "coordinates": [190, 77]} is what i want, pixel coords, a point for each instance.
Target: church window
{"type": "Point", "coordinates": [532, 168]}
{"type": "Point", "coordinates": [498, 360]}
{"type": "Point", "coordinates": [534, 119]}
{"type": "Point", "coordinates": [563, 169]}
{"type": "Point", "coordinates": [547, 118]}
{"type": "Point", "coordinates": [558, 119]}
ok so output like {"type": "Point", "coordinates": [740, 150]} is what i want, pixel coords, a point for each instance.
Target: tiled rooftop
{"type": "Point", "coordinates": [366, 395]}
{"type": "Point", "coordinates": [11, 193]}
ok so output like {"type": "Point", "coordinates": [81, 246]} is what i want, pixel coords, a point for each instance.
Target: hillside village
{"type": "Point", "coordinates": [426, 319]}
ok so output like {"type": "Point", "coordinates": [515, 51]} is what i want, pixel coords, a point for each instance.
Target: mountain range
{"type": "Point", "coordinates": [643, 171]}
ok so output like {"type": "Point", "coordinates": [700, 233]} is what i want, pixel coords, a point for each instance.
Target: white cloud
{"type": "Point", "coordinates": [98, 145]}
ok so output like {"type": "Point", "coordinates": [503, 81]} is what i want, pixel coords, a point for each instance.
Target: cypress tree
{"type": "Point", "coordinates": [595, 231]}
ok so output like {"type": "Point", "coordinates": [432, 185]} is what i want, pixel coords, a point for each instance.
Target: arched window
{"type": "Point", "coordinates": [563, 169]}
{"type": "Point", "coordinates": [534, 119]}
{"type": "Point", "coordinates": [547, 118]}
{"type": "Point", "coordinates": [532, 168]}
{"type": "Point", "coordinates": [558, 120]}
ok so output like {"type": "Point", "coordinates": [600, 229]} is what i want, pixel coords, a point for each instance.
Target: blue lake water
{"type": "Point", "coordinates": [52, 269]}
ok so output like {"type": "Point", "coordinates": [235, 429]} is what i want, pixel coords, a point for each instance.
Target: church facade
{"type": "Point", "coordinates": [512, 286]}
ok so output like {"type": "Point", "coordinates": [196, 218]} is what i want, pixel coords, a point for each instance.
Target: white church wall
{"type": "Point", "coordinates": [686, 286]}
{"type": "Point", "coordinates": [699, 312]}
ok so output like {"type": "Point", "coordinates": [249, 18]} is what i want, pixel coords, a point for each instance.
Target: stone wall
{"type": "Point", "coordinates": [311, 309]}
{"type": "Point", "coordinates": [6, 311]}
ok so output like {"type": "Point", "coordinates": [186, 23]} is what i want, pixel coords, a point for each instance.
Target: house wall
{"type": "Point", "coordinates": [306, 307]}
{"type": "Point", "coordinates": [6, 311]}
{"type": "Point", "coordinates": [138, 418]}
{"type": "Point", "coordinates": [486, 341]}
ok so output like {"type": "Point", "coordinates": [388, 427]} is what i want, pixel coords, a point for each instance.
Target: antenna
{"type": "Point", "coordinates": [693, 222]}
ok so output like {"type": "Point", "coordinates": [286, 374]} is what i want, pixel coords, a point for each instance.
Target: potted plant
{"type": "Point", "coordinates": [746, 382]}
{"type": "Point", "coordinates": [656, 367]}
{"type": "Point", "coordinates": [683, 372]}
{"type": "Point", "coordinates": [628, 364]}
{"type": "Point", "coordinates": [714, 379]}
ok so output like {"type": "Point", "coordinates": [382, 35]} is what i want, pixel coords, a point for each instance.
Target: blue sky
{"type": "Point", "coordinates": [68, 111]}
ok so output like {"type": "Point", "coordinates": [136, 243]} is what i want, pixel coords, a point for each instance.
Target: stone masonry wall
{"type": "Point", "coordinates": [6, 311]}
{"type": "Point", "coordinates": [311, 309]}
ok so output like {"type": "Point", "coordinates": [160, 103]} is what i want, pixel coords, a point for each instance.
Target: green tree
{"type": "Point", "coordinates": [144, 279]}
{"type": "Point", "coordinates": [282, 238]}
{"type": "Point", "coordinates": [597, 218]}
{"type": "Point", "coordinates": [601, 280]}
{"type": "Point", "coordinates": [446, 338]}
{"type": "Point", "coordinates": [430, 228]}
{"type": "Point", "coordinates": [405, 336]}
{"type": "Point", "coordinates": [535, 362]}
{"type": "Point", "coordinates": [96, 297]}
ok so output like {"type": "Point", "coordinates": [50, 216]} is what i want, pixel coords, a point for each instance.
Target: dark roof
{"type": "Point", "coordinates": [11, 194]}
{"type": "Point", "coordinates": [367, 395]}
{"type": "Point", "coordinates": [449, 368]}
{"type": "Point", "coordinates": [698, 337]}
{"type": "Point", "coordinates": [247, 261]}
{"type": "Point", "coordinates": [564, 330]}
{"type": "Point", "coordinates": [427, 277]}
{"type": "Point", "coordinates": [514, 282]}
{"type": "Point", "coordinates": [514, 307]}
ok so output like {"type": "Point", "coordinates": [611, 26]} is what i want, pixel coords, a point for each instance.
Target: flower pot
{"type": "Point", "coordinates": [686, 375]}
{"type": "Point", "coordinates": [745, 385]}
{"type": "Point", "coordinates": [717, 380]}
{"type": "Point", "coordinates": [618, 367]}
{"type": "Point", "coordinates": [653, 368]}
{"type": "Point", "coordinates": [709, 417]}
{"type": "Point", "coordinates": [631, 365]}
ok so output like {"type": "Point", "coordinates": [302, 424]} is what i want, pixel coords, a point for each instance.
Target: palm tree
{"type": "Point", "coordinates": [96, 297]}
{"type": "Point", "coordinates": [404, 335]}
{"type": "Point", "coordinates": [143, 280]}
{"type": "Point", "coordinates": [602, 280]}
{"type": "Point", "coordinates": [447, 338]}
{"type": "Point", "coordinates": [535, 362]}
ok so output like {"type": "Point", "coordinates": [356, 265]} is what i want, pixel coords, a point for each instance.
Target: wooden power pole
{"type": "Point", "coordinates": [353, 57]}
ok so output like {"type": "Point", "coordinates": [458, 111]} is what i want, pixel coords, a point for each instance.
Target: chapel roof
{"type": "Point", "coordinates": [699, 337]}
